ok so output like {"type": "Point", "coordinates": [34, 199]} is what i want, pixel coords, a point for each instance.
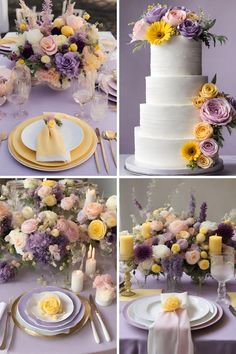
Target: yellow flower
{"type": "Point", "coordinates": [21, 61]}
{"type": "Point", "coordinates": [67, 31]}
{"type": "Point", "coordinates": [183, 234]}
{"type": "Point", "coordinates": [204, 161]}
{"type": "Point", "coordinates": [111, 222]}
{"type": "Point", "coordinates": [172, 303]}
{"type": "Point", "coordinates": [191, 151]}
{"type": "Point", "coordinates": [58, 22]}
{"type": "Point", "coordinates": [97, 230]}
{"type": "Point", "coordinates": [203, 230]}
{"type": "Point", "coordinates": [73, 47]}
{"type": "Point", "coordinates": [86, 16]}
{"type": "Point", "coordinates": [175, 248]}
{"type": "Point", "coordinates": [202, 131]}
{"type": "Point", "coordinates": [49, 182]}
{"type": "Point", "coordinates": [204, 254]}
{"type": "Point", "coordinates": [51, 124]}
{"type": "Point", "coordinates": [50, 200]}
{"type": "Point", "coordinates": [55, 232]}
{"type": "Point", "coordinates": [209, 91]}
{"type": "Point", "coordinates": [200, 237]}
{"type": "Point", "coordinates": [159, 32]}
{"type": "Point", "coordinates": [51, 305]}
{"type": "Point", "coordinates": [192, 16]}
{"type": "Point", "coordinates": [45, 59]}
{"type": "Point", "coordinates": [204, 264]}
{"type": "Point", "coordinates": [198, 101]}
{"type": "Point", "coordinates": [146, 230]}
{"type": "Point", "coordinates": [156, 268]}
{"type": "Point", "coordinates": [22, 27]}
{"type": "Point", "coordinates": [206, 247]}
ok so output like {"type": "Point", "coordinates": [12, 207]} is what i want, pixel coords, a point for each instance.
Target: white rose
{"type": "Point", "coordinates": [27, 212]}
{"type": "Point", "coordinates": [60, 41]}
{"type": "Point", "coordinates": [160, 252]}
{"type": "Point", "coordinates": [209, 226]}
{"type": "Point", "coordinates": [30, 183]}
{"type": "Point", "coordinates": [112, 202]}
{"type": "Point", "coordinates": [34, 36]}
{"type": "Point", "coordinates": [18, 239]}
{"type": "Point", "coordinates": [21, 38]}
{"type": "Point", "coordinates": [48, 216]}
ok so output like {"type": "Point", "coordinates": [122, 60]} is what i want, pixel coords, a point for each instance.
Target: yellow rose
{"type": "Point", "coordinates": [209, 91]}
{"type": "Point", "coordinates": [203, 131]}
{"type": "Point", "coordinates": [22, 27]}
{"type": "Point", "coordinates": [51, 124]}
{"type": "Point", "coordinates": [67, 31]}
{"type": "Point", "coordinates": [198, 101]}
{"type": "Point", "coordinates": [204, 161]}
{"type": "Point", "coordinates": [50, 200]}
{"type": "Point", "coordinates": [97, 230]}
{"type": "Point", "coordinates": [203, 230]}
{"type": "Point", "coordinates": [172, 303]}
{"type": "Point", "coordinates": [51, 305]}
{"type": "Point", "coordinates": [156, 268]}
{"type": "Point", "coordinates": [21, 61]}
{"type": "Point", "coordinates": [86, 16]}
{"type": "Point", "coordinates": [73, 47]}
{"type": "Point", "coordinates": [111, 222]}
{"type": "Point", "coordinates": [146, 230]}
{"type": "Point", "coordinates": [183, 234]}
{"type": "Point", "coordinates": [45, 59]}
{"type": "Point", "coordinates": [192, 16]}
{"type": "Point", "coordinates": [175, 248]}
{"type": "Point", "coordinates": [200, 237]}
{"type": "Point", "coordinates": [55, 232]}
{"type": "Point", "coordinates": [204, 254]}
{"type": "Point", "coordinates": [204, 264]}
{"type": "Point", "coordinates": [49, 182]}
{"type": "Point", "coordinates": [58, 22]}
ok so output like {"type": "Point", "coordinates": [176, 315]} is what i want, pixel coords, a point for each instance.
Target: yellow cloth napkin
{"type": "Point", "coordinates": [141, 293]}
{"type": "Point", "coordinates": [232, 296]}
{"type": "Point", "coordinates": [50, 146]}
{"type": "Point", "coordinates": [8, 40]}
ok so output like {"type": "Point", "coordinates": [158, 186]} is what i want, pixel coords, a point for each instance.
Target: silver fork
{"type": "Point", "coordinates": [6, 330]}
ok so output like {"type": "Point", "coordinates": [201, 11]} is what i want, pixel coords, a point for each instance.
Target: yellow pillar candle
{"type": "Point", "coordinates": [146, 230]}
{"type": "Point", "coordinates": [126, 246]}
{"type": "Point", "coordinates": [215, 244]}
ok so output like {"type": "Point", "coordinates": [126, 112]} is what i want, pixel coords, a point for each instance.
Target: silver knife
{"type": "Point", "coordinates": [104, 329]}
{"type": "Point", "coordinates": [104, 155]}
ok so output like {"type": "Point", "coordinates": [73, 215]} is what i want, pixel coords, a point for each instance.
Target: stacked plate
{"type": "Point", "coordinates": [8, 48]}
{"type": "Point", "coordinates": [142, 312]}
{"type": "Point", "coordinates": [28, 316]}
{"type": "Point", "coordinates": [108, 84]}
{"type": "Point", "coordinates": [79, 137]}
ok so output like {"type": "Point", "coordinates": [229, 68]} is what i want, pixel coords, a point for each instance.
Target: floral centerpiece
{"type": "Point", "coordinates": [54, 226]}
{"type": "Point", "coordinates": [57, 50]}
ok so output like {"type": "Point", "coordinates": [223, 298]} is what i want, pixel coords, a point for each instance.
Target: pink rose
{"type": "Point", "coordinates": [139, 31]}
{"type": "Point", "coordinates": [177, 226]}
{"type": "Point", "coordinates": [68, 202]}
{"type": "Point", "coordinates": [75, 22]}
{"type": "Point", "coordinates": [156, 225]}
{"type": "Point", "coordinates": [192, 257]}
{"type": "Point", "coordinates": [29, 226]}
{"type": "Point", "coordinates": [175, 17]}
{"type": "Point", "coordinates": [48, 45]}
{"type": "Point", "coordinates": [92, 210]}
{"type": "Point", "coordinates": [44, 191]}
{"type": "Point", "coordinates": [68, 228]}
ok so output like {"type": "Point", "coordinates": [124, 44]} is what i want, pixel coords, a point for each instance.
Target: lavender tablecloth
{"type": "Point", "coordinates": [81, 342]}
{"type": "Point", "coordinates": [44, 99]}
{"type": "Point", "coordinates": [219, 338]}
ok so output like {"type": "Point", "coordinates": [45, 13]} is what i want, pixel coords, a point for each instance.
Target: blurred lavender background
{"type": "Point", "coordinates": [134, 67]}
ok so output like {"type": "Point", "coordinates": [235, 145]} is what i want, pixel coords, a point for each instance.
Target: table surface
{"type": "Point", "coordinates": [81, 342]}
{"type": "Point", "coordinates": [229, 166]}
{"type": "Point", "coordinates": [219, 337]}
{"type": "Point", "coordinates": [43, 99]}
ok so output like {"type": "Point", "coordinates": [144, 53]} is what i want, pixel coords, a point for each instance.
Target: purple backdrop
{"type": "Point", "coordinates": [134, 67]}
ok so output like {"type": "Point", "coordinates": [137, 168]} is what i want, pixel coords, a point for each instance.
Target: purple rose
{"type": "Point", "coordinates": [190, 29]}
{"type": "Point", "coordinates": [155, 14]}
{"type": "Point", "coordinates": [216, 111]}
{"type": "Point", "coordinates": [209, 147]}
{"type": "Point", "coordinates": [232, 101]}
{"type": "Point", "coordinates": [67, 64]}
{"type": "Point", "coordinates": [183, 244]}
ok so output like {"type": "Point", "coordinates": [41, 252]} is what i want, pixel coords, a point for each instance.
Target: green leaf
{"type": "Point", "coordinates": [213, 81]}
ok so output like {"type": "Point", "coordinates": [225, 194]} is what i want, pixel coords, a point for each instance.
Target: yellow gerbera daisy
{"type": "Point", "coordinates": [159, 32]}
{"type": "Point", "coordinates": [191, 151]}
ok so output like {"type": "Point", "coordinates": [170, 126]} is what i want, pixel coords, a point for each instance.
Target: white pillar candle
{"type": "Point", "coordinates": [90, 266]}
{"type": "Point", "coordinates": [90, 196]}
{"type": "Point", "coordinates": [90, 251]}
{"type": "Point", "coordinates": [77, 281]}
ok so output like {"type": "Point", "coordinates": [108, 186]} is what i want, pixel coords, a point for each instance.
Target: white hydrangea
{"type": "Point", "coordinates": [17, 239]}
{"type": "Point", "coordinates": [30, 183]}
{"type": "Point", "coordinates": [27, 212]}
{"type": "Point", "coordinates": [48, 216]}
{"type": "Point", "coordinates": [209, 225]}
{"type": "Point", "coordinates": [111, 202]}
{"type": "Point", "coordinates": [34, 36]}
{"type": "Point", "coordinates": [160, 252]}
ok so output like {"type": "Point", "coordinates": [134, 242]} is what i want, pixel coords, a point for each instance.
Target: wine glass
{"type": "Point", "coordinates": [99, 105]}
{"type": "Point", "coordinates": [20, 89]}
{"type": "Point", "coordinates": [222, 270]}
{"type": "Point", "coordinates": [5, 87]}
{"type": "Point", "coordinates": [84, 88]}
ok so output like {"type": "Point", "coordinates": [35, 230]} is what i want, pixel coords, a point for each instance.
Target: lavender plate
{"type": "Point", "coordinates": [43, 324]}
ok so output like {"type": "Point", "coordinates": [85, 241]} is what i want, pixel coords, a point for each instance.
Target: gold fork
{"type": "Point", "coordinates": [6, 330]}
{"type": "Point", "coordinates": [3, 136]}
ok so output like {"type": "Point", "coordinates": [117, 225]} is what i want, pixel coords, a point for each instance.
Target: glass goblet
{"type": "Point", "coordinates": [84, 90]}
{"type": "Point", "coordinates": [222, 270]}
{"type": "Point", "coordinates": [99, 105]}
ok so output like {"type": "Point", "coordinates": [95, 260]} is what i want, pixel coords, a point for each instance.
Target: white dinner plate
{"type": "Point", "coordinates": [105, 84]}
{"type": "Point", "coordinates": [72, 134]}
{"type": "Point", "coordinates": [148, 308]}
{"type": "Point", "coordinates": [33, 310]}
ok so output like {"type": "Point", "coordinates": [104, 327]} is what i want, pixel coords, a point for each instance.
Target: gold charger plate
{"type": "Point", "coordinates": [71, 331]}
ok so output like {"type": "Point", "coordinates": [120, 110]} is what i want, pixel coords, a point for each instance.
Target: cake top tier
{"type": "Point", "coordinates": [159, 23]}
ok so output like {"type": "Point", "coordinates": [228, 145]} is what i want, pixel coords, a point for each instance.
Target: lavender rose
{"type": "Point", "coordinates": [190, 29]}
{"type": "Point", "coordinates": [217, 111]}
{"type": "Point", "coordinates": [209, 147]}
{"type": "Point", "coordinates": [67, 64]}
{"type": "Point", "coordinates": [155, 14]}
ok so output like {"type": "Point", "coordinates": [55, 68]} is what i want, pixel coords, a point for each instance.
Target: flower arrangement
{"type": "Point", "coordinates": [159, 23]}
{"type": "Point", "coordinates": [53, 226]}
{"type": "Point", "coordinates": [58, 50]}
{"type": "Point", "coordinates": [216, 110]}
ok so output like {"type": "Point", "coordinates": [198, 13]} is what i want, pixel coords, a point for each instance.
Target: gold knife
{"type": "Point", "coordinates": [104, 155]}
{"type": "Point", "coordinates": [97, 161]}
{"type": "Point", "coordinates": [104, 329]}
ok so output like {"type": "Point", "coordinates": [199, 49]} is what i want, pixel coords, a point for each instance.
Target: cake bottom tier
{"type": "Point", "coordinates": [159, 153]}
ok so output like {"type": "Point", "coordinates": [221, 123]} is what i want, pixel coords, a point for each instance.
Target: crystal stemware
{"type": "Point", "coordinates": [20, 89]}
{"type": "Point", "coordinates": [99, 105]}
{"type": "Point", "coordinates": [222, 270]}
{"type": "Point", "coordinates": [84, 88]}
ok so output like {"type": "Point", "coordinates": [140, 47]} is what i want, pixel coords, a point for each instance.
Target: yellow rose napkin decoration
{"type": "Point", "coordinates": [50, 305]}
{"type": "Point", "coordinates": [50, 146]}
{"type": "Point", "coordinates": [174, 301]}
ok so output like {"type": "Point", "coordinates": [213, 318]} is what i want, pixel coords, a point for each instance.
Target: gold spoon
{"type": "Point", "coordinates": [110, 135]}
{"type": "Point", "coordinates": [3, 136]}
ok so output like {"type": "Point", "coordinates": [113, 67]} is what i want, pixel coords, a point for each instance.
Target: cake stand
{"type": "Point", "coordinates": [142, 169]}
